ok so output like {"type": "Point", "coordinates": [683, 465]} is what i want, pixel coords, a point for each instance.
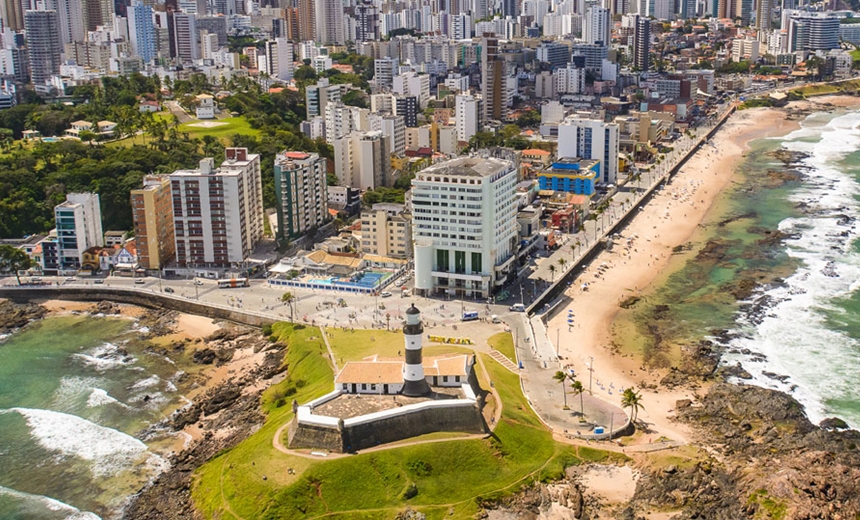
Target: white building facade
{"type": "Point", "coordinates": [464, 226]}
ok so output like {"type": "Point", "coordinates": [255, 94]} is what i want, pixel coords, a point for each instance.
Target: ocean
{"type": "Point", "coordinates": [787, 227]}
{"type": "Point", "coordinates": [78, 395]}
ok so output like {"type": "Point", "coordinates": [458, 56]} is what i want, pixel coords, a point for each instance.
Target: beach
{"type": "Point", "coordinates": [643, 256]}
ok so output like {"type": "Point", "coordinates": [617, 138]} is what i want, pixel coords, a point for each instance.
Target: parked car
{"type": "Point", "coordinates": [518, 307]}
{"type": "Point", "coordinates": [98, 281]}
{"type": "Point", "coordinates": [198, 282]}
{"type": "Point", "coordinates": [168, 290]}
{"type": "Point", "coordinates": [385, 294]}
{"type": "Point", "coordinates": [139, 281]}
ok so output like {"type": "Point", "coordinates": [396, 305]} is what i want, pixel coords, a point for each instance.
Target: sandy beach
{"type": "Point", "coordinates": [670, 219]}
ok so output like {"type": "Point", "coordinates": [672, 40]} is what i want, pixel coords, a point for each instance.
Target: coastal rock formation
{"type": "Point", "coordinates": [16, 315]}
{"type": "Point", "coordinates": [769, 461]}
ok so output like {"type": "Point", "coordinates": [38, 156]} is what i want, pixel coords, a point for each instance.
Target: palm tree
{"type": "Point", "coordinates": [577, 388]}
{"type": "Point", "coordinates": [552, 271]}
{"type": "Point", "coordinates": [633, 400]}
{"type": "Point", "coordinates": [288, 298]}
{"type": "Point", "coordinates": [561, 377]}
{"type": "Point", "coordinates": [561, 262]}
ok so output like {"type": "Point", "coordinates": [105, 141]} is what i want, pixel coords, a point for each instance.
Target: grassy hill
{"type": "Point", "coordinates": [452, 477]}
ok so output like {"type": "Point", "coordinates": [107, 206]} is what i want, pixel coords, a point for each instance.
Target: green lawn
{"type": "Point", "coordinates": [504, 343]}
{"type": "Point", "coordinates": [355, 345]}
{"type": "Point", "coordinates": [451, 477]}
{"type": "Point", "coordinates": [234, 125]}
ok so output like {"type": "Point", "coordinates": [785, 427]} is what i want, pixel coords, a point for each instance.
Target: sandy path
{"type": "Point", "coordinates": [670, 219]}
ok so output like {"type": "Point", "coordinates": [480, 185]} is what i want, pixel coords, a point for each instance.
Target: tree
{"type": "Point", "coordinates": [577, 388]}
{"type": "Point", "coordinates": [561, 262]}
{"type": "Point", "coordinates": [633, 400]}
{"type": "Point", "coordinates": [289, 299]}
{"type": "Point", "coordinates": [13, 259]}
{"type": "Point", "coordinates": [552, 271]}
{"type": "Point", "coordinates": [529, 119]}
{"type": "Point", "coordinates": [561, 377]}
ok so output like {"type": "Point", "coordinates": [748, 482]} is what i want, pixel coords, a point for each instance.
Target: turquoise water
{"type": "Point", "coordinates": [76, 393]}
{"type": "Point", "coordinates": [809, 329]}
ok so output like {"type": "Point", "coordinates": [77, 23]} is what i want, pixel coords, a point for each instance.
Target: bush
{"type": "Point", "coordinates": [411, 491]}
{"type": "Point", "coordinates": [290, 391]}
{"type": "Point", "coordinates": [267, 330]}
{"type": "Point", "coordinates": [301, 383]}
{"type": "Point", "coordinates": [280, 402]}
{"type": "Point", "coordinates": [419, 468]}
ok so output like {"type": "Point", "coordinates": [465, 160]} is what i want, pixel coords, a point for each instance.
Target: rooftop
{"type": "Point", "coordinates": [468, 167]}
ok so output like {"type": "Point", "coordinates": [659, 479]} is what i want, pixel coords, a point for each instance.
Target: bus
{"type": "Point", "coordinates": [470, 316]}
{"type": "Point", "coordinates": [229, 283]}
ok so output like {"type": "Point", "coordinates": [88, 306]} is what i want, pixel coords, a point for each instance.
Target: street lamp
{"type": "Point", "coordinates": [590, 373]}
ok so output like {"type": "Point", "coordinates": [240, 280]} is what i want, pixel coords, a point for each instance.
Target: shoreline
{"type": "Point", "coordinates": [672, 218]}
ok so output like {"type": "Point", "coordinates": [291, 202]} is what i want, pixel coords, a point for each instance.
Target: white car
{"type": "Point", "coordinates": [198, 282]}
{"type": "Point", "coordinates": [518, 307]}
{"type": "Point", "coordinates": [385, 294]}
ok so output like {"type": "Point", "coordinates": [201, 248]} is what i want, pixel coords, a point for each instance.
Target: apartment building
{"type": "Point", "coordinates": [152, 213]}
{"type": "Point", "coordinates": [465, 226]}
{"type": "Point", "coordinates": [301, 193]}
{"type": "Point", "coordinates": [218, 212]}
{"type": "Point", "coordinates": [79, 227]}
{"type": "Point", "coordinates": [591, 139]}
{"type": "Point", "coordinates": [386, 230]}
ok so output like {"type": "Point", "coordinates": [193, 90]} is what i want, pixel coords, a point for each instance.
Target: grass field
{"type": "Point", "coordinates": [234, 125]}
{"type": "Point", "coordinates": [829, 88]}
{"type": "Point", "coordinates": [504, 343]}
{"type": "Point", "coordinates": [451, 477]}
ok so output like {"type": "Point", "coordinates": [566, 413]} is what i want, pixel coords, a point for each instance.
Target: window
{"type": "Point", "coordinates": [444, 379]}
{"type": "Point", "coordinates": [364, 386]}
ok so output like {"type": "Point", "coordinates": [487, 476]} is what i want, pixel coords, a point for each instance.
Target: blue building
{"type": "Point", "coordinates": [141, 31]}
{"type": "Point", "coordinates": [571, 175]}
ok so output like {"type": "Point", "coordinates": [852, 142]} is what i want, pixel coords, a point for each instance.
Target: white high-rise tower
{"type": "Point", "coordinates": [414, 384]}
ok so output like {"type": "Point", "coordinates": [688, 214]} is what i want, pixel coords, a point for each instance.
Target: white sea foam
{"type": "Point", "coordinates": [99, 397]}
{"type": "Point", "coordinates": [105, 357]}
{"type": "Point", "coordinates": [149, 382]}
{"type": "Point", "coordinates": [110, 451]}
{"type": "Point", "coordinates": [822, 364]}
{"type": "Point", "coordinates": [39, 504]}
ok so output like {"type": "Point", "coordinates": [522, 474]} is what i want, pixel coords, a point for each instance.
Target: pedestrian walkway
{"type": "Point", "coordinates": [654, 446]}
{"type": "Point", "coordinates": [503, 360]}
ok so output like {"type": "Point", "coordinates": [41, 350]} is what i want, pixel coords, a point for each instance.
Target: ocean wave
{"type": "Point", "coordinates": [100, 397]}
{"type": "Point", "coordinates": [110, 451]}
{"type": "Point", "coordinates": [793, 335]}
{"type": "Point", "coordinates": [143, 384]}
{"type": "Point", "coordinates": [105, 357]}
{"type": "Point", "coordinates": [45, 507]}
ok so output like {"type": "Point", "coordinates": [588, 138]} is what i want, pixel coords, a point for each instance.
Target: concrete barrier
{"type": "Point", "coordinates": [141, 297]}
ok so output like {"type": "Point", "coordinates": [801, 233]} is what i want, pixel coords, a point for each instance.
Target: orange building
{"type": "Point", "coordinates": [152, 212]}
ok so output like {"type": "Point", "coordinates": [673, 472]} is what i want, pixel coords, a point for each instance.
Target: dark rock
{"type": "Point", "coordinates": [683, 403]}
{"type": "Point", "coordinates": [16, 315]}
{"type": "Point", "coordinates": [833, 423]}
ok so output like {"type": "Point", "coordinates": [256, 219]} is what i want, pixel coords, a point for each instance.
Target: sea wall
{"type": "Point", "coordinates": [141, 297]}
{"type": "Point", "coordinates": [462, 415]}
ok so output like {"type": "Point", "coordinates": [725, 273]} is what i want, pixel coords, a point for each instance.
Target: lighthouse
{"type": "Point", "coordinates": [414, 384]}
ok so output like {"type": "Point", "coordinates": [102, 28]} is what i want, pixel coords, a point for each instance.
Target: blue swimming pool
{"type": "Point", "coordinates": [368, 280]}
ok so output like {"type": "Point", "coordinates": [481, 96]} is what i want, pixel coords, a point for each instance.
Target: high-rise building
{"type": "Point", "coordinates": [141, 31]}
{"type": "Point", "coordinates": [467, 113]}
{"type": "Point", "coordinates": [300, 192]}
{"type": "Point", "coordinates": [366, 22]}
{"type": "Point", "coordinates": [493, 84]}
{"type": "Point", "coordinates": [386, 230]}
{"type": "Point", "coordinates": [330, 28]}
{"type": "Point", "coordinates": [570, 80]}
{"type": "Point", "coordinates": [466, 245]}
{"type": "Point", "coordinates": [12, 13]}
{"type": "Point", "coordinates": [812, 31]}
{"type": "Point", "coordinates": [392, 126]}
{"type": "Point", "coordinates": [97, 13]}
{"type": "Point", "coordinates": [185, 37]}
{"type": "Point", "coordinates": [218, 212]}
{"type": "Point", "coordinates": [642, 43]}
{"type": "Point", "coordinates": [554, 53]}
{"type": "Point", "coordinates": [71, 19]}
{"type": "Point", "coordinates": [152, 213]}
{"type": "Point", "coordinates": [279, 59]}
{"type": "Point", "coordinates": [362, 160]}
{"type": "Point", "coordinates": [591, 139]}
{"type": "Point", "coordinates": [43, 45]}
{"type": "Point", "coordinates": [407, 108]}
{"type": "Point", "coordinates": [383, 71]}
{"type": "Point", "coordinates": [318, 96]}
{"type": "Point", "coordinates": [79, 227]}
{"type": "Point", "coordinates": [301, 20]}
{"type": "Point", "coordinates": [764, 14]}
{"type": "Point", "coordinates": [461, 27]}
{"type": "Point", "coordinates": [596, 25]}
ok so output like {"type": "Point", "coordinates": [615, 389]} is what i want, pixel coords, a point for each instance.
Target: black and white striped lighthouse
{"type": "Point", "coordinates": [414, 384]}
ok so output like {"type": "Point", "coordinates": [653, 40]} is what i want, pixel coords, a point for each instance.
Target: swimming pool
{"type": "Point", "coordinates": [369, 279]}
{"type": "Point", "coordinates": [50, 139]}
